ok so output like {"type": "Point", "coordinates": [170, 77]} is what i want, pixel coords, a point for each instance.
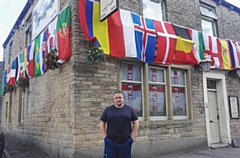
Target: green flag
{"type": "Point", "coordinates": [3, 82]}
{"type": "Point", "coordinates": [37, 69]}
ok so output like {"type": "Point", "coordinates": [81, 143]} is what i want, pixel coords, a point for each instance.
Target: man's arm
{"type": "Point", "coordinates": [135, 129]}
{"type": "Point", "coordinates": [102, 129]}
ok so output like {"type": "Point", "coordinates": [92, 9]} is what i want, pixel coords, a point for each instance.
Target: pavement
{"type": "Point", "coordinates": [226, 152]}
{"type": "Point", "coordinates": [14, 149]}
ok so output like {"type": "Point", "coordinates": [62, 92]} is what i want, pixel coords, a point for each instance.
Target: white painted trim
{"type": "Point", "coordinates": [223, 105]}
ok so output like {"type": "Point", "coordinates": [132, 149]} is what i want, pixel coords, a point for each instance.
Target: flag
{"type": "Point", "coordinates": [197, 50]}
{"type": "Point", "coordinates": [166, 42]}
{"type": "Point", "coordinates": [52, 35]}
{"type": "Point", "coordinates": [38, 57]}
{"type": "Point", "coordinates": [86, 10]}
{"type": "Point", "coordinates": [4, 80]}
{"type": "Point", "coordinates": [43, 50]}
{"type": "Point", "coordinates": [183, 51]}
{"type": "Point", "coordinates": [22, 65]}
{"type": "Point", "coordinates": [211, 48]}
{"type": "Point", "coordinates": [234, 48]}
{"type": "Point", "coordinates": [225, 53]}
{"type": "Point", "coordinates": [115, 34]}
{"type": "Point", "coordinates": [8, 73]}
{"type": "Point", "coordinates": [30, 61]}
{"type": "Point", "coordinates": [13, 71]}
{"type": "Point", "coordinates": [63, 34]}
{"type": "Point", "coordinates": [145, 37]}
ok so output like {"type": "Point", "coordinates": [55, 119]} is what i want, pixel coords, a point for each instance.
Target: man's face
{"type": "Point", "coordinates": [118, 99]}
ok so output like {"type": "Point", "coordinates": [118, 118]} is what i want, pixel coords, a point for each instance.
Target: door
{"type": "Point", "coordinates": [213, 117]}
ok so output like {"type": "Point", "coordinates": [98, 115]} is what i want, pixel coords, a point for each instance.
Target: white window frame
{"type": "Point", "coordinates": [209, 17]}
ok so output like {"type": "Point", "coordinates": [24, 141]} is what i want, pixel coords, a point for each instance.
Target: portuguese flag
{"type": "Point", "coordinates": [63, 34]}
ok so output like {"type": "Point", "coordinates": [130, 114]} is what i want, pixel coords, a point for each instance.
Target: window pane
{"type": "Point", "coordinates": [152, 9]}
{"type": "Point", "coordinates": [211, 84]}
{"type": "Point", "coordinates": [177, 77]}
{"type": "Point", "coordinates": [131, 72]}
{"type": "Point", "coordinates": [132, 94]}
{"type": "Point", "coordinates": [157, 100]}
{"type": "Point", "coordinates": [207, 27]}
{"type": "Point", "coordinates": [179, 101]}
{"type": "Point", "coordinates": [209, 12]}
{"type": "Point", "coordinates": [155, 75]}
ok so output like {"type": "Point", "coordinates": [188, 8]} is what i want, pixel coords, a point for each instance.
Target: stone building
{"type": "Point", "coordinates": [1, 68]}
{"type": "Point", "coordinates": [59, 112]}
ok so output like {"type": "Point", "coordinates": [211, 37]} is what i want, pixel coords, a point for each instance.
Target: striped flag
{"type": "Point", "coordinates": [166, 42]}
{"type": "Point", "coordinates": [13, 71]}
{"type": "Point", "coordinates": [197, 50]}
{"type": "Point", "coordinates": [22, 65]}
{"type": "Point", "coordinates": [225, 53]}
{"type": "Point", "coordinates": [184, 46]}
{"type": "Point", "coordinates": [30, 60]}
{"type": "Point", "coordinates": [115, 34]}
{"type": "Point", "coordinates": [234, 48]}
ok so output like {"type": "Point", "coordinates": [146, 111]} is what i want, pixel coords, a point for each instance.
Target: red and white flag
{"type": "Point", "coordinates": [166, 42]}
{"type": "Point", "coordinates": [211, 49]}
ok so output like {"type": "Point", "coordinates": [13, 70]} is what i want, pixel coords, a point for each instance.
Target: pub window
{"type": "Point", "coordinates": [6, 111]}
{"type": "Point", "coordinates": [208, 20]}
{"type": "Point", "coordinates": [157, 92]}
{"type": "Point", "coordinates": [132, 87]}
{"type": "Point", "coordinates": [21, 105]}
{"type": "Point", "coordinates": [160, 93]}
{"type": "Point", "coordinates": [179, 104]}
{"type": "Point", "coordinates": [153, 9]}
{"type": "Point", "coordinates": [10, 108]}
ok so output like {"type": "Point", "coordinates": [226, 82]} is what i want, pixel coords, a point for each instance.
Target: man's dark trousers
{"type": "Point", "coordinates": [117, 150]}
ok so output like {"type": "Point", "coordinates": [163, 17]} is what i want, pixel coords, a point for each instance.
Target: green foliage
{"type": "Point", "coordinates": [95, 55]}
{"type": "Point", "coordinates": [51, 60]}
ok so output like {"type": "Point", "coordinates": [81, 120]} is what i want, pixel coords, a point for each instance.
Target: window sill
{"type": "Point", "coordinates": [164, 122]}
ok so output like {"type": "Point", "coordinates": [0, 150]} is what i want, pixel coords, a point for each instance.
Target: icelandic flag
{"type": "Point", "coordinates": [145, 36]}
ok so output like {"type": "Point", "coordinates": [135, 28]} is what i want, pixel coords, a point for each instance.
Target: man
{"type": "Point", "coordinates": [122, 126]}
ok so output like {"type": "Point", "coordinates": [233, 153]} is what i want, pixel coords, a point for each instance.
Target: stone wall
{"type": "Point", "coordinates": [1, 97]}
{"type": "Point", "coordinates": [232, 81]}
{"type": "Point", "coordinates": [48, 108]}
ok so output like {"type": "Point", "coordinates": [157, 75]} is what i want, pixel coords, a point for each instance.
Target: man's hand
{"type": "Point", "coordinates": [102, 129]}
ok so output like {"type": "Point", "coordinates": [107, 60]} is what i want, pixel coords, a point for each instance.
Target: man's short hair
{"type": "Point", "coordinates": [117, 92]}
